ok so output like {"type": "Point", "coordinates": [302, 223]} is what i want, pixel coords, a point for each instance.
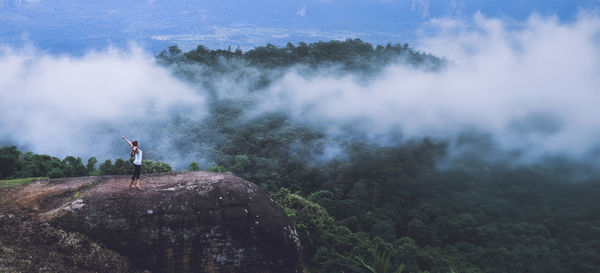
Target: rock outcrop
{"type": "Point", "coordinates": [184, 222]}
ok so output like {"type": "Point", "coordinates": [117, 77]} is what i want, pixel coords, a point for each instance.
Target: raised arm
{"type": "Point", "coordinates": [128, 142]}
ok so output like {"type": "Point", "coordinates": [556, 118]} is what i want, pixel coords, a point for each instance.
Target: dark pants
{"type": "Point", "coordinates": [136, 172]}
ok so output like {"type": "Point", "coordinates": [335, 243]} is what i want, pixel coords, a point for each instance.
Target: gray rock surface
{"type": "Point", "coordinates": [183, 222]}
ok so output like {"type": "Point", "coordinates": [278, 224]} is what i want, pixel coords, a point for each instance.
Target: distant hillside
{"type": "Point", "coordinates": [348, 55]}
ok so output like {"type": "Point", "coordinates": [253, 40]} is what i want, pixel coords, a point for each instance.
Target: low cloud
{"type": "Point", "coordinates": [534, 89]}
{"type": "Point", "coordinates": [63, 105]}
{"type": "Point", "coordinates": [531, 88]}
{"type": "Point", "coordinates": [301, 12]}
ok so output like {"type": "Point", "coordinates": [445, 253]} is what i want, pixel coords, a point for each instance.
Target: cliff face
{"type": "Point", "coordinates": [185, 222]}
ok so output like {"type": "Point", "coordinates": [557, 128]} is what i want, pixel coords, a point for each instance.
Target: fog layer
{"type": "Point", "coordinates": [61, 105]}
{"type": "Point", "coordinates": [532, 88]}
{"type": "Point", "coordinates": [529, 87]}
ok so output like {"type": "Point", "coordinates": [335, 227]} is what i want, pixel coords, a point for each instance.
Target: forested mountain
{"type": "Point", "coordinates": [486, 217]}
{"type": "Point", "coordinates": [258, 67]}
{"type": "Point", "coordinates": [350, 54]}
{"type": "Point", "coordinates": [357, 201]}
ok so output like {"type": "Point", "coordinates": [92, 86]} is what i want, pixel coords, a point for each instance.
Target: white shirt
{"type": "Point", "coordinates": [138, 157]}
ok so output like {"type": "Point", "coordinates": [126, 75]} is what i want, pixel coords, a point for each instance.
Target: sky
{"type": "Point", "coordinates": [75, 27]}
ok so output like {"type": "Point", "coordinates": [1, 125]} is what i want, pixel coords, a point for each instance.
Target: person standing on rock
{"type": "Point", "coordinates": [137, 162]}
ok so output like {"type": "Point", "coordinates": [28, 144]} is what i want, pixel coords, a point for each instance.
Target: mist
{"type": "Point", "coordinates": [528, 88]}
{"type": "Point", "coordinates": [81, 106]}
{"type": "Point", "coordinates": [531, 90]}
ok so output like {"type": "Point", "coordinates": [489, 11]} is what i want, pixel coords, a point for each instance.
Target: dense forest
{"type": "Point", "coordinates": [370, 207]}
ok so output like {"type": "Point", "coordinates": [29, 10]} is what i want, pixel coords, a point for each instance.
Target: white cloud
{"type": "Point", "coordinates": [56, 104]}
{"type": "Point", "coordinates": [301, 12]}
{"type": "Point", "coordinates": [456, 7]}
{"type": "Point", "coordinates": [534, 88]}
{"type": "Point", "coordinates": [421, 7]}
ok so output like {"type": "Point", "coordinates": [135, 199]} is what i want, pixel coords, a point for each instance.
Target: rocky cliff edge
{"type": "Point", "coordinates": [179, 222]}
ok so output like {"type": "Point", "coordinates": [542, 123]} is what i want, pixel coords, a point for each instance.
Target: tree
{"type": "Point", "coordinates": [91, 165]}
{"type": "Point", "coordinates": [34, 165]}
{"type": "Point", "coordinates": [150, 166]}
{"type": "Point", "coordinates": [379, 262]}
{"type": "Point", "coordinates": [55, 173]}
{"type": "Point", "coordinates": [10, 162]}
{"type": "Point", "coordinates": [217, 169]}
{"type": "Point", "coordinates": [319, 236]}
{"type": "Point", "coordinates": [193, 167]}
{"type": "Point", "coordinates": [174, 50]}
{"type": "Point", "coordinates": [73, 167]}
{"type": "Point", "coordinates": [171, 55]}
{"type": "Point", "coordinates": [106, 167]}
{"type": "Point", "coordinates": [122, 166]}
